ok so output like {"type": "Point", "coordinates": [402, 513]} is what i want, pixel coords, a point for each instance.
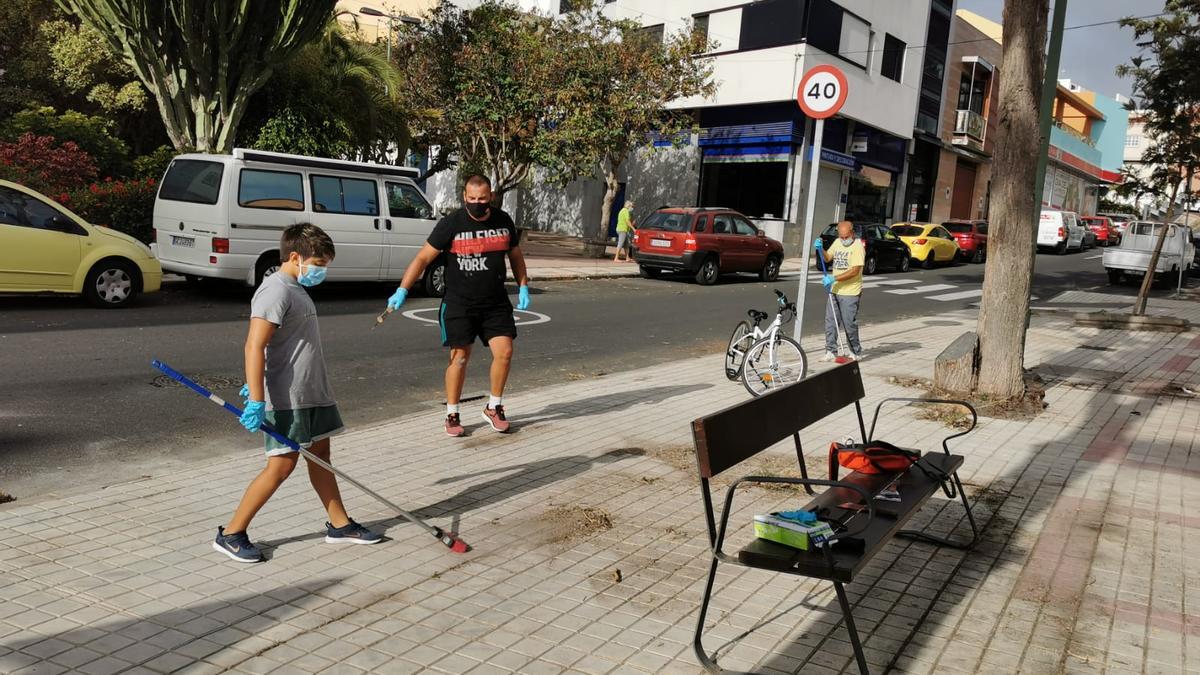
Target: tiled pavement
{"type": "Point", "coordinates": [1087, 565]}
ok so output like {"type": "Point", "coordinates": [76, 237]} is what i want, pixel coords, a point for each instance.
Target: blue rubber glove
{"type": "Point", "coordinates": [523, 297]}
{"type": "Point", "coordinates": [245, 394]}
{"type": "Point", "coordinates": [397, 298]}
{"type": "Point", "coordinates": [819, 244]}
{"type": "Point", "coordinates": [827, 281]}
{"type": "Point", "coordinates": [800, 516]}
{"type": "Point", "coordinates": [253, 415]}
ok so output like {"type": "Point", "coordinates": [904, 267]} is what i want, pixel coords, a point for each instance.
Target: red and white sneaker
{"type": "Point", "coordinates": [454, 425]}
{"type": "Point", "coordinates": [495, 417]}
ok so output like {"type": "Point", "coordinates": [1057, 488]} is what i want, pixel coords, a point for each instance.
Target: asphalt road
{"type": "Point", "coordinates": [81, 407]}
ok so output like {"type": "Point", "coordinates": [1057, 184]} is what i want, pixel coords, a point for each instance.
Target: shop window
{"type": "Point", "coordinates": [654, 34]}
{"type": "Point", "coordinates": [756, 189]}
{"type": "Point", "coordinates": [892, 64]}
{"type": "Point", "coordinates": [870, 196]}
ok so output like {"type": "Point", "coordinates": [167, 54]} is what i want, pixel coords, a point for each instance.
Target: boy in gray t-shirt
{"type": "Point", "coordinates": [287, 387]}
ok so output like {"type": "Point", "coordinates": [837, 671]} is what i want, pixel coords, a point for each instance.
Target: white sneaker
{"type": "Point", "coordinates": [829, 356]}
{"type": "Point", "coordinates": [857, 357]}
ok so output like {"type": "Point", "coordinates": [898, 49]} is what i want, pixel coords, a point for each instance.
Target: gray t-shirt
{"type": "Point", "coordinates": [295, 366]}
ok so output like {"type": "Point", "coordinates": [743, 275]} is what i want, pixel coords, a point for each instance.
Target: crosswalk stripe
{"type": "Point", "coordinates": [921, 289]}
{"type": "Point", "coordinates": [947, 297]}
{"type": "Point", "coordinates": [889, 282]}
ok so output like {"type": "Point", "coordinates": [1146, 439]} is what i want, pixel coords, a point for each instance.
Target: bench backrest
{"type": "Point", "coordinates": [726, 438]}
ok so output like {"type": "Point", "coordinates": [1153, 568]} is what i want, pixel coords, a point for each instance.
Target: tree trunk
{"type": "Point", "coordinates": [1012, 230]}
{"type": "Point", "coordinates": [595, 239]}
{"type": "Point", "coordinates": [1139, 307]}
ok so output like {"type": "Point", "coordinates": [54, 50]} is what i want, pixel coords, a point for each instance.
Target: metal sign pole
{"type": "Point", "coordinates": [809, 206]}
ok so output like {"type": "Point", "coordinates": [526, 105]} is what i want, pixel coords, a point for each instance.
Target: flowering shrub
{"type": "Point", "coordinates": [125, 206]}
{"type": "Point", "coordinates": [41, 163]}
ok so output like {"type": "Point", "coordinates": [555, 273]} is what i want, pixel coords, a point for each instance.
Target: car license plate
{"type": "Point", "coordinates": [185, 242]}
{"type": "Point", "coordinates": [661, 243]}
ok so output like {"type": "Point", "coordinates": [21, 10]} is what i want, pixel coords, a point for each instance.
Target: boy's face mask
{"type": "Point", "coordinates": [312, 276]}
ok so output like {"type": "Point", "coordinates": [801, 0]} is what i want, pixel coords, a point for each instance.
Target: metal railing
{"type": "Point", "coordinates": [1075, 133]}
{"type": "Point", "coordinates": [970, 123]}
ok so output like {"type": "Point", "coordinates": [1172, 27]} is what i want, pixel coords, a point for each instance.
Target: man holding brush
{"type": "Point", "coordinates": [843, 282]}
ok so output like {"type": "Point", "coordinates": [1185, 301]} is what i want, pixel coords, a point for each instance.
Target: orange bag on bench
{"type": "Point", "coordinates": [876, 457]}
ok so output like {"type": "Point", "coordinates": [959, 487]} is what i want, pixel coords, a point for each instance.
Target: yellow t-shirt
{"type": "Point", "coordinates": [843, 258]}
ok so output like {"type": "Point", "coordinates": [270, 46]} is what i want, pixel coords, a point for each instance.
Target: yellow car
{"type": "Point", "coordinates": [927, 243]}
{"type": "Point", "coordinates": [44, 248]}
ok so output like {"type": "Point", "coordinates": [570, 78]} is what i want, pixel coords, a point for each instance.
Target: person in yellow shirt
{"type": "Point", "coordinates": [845, 257]}
{"type": "Point", "coordinates": [625, 228]}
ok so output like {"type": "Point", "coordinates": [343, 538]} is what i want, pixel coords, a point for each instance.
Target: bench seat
{"type": "Point", "coordinates": [915, 488]}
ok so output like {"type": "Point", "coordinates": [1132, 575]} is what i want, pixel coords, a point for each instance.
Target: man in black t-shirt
{"type": "Point", "coordinates": [476, 239]}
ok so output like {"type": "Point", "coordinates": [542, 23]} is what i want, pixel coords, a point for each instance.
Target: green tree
{"type": "Point", "coordinates": [24, 56]}
{"type": "Point", "coordinates": [203, 61]}
{"type": "Point", "coordinates": [617, 83]}
{"type": "Point", "coordinates": [1166, 84]}
{"type": "Point", "coordinates": [85, 65]}
{"type": "Point", "coordinates": [481, 86]}
{"type": "Point", "coordinates": [92, 133]}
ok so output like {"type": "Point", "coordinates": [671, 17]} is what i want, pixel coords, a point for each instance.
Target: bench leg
{"type": "Point", "coordinates": [858, 652]}
{"type": "Point", "coordinates": [709, 664]}
{"type": "Point", "coordinates": [915, 534]}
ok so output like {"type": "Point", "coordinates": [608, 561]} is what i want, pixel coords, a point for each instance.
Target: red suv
{"type": "Point", "coordinates": [1106, 231]}
{"type": "Point", "coordinates": [704, 242]}
{"type": "Point", "coordinates": [971, 236]}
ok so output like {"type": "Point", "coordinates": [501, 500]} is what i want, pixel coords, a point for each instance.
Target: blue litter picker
{"type": "Point", "coordinates": [449, 540]}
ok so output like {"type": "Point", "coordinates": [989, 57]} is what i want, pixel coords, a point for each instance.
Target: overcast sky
{"type": "Point", "coordinates": [1090, 55]}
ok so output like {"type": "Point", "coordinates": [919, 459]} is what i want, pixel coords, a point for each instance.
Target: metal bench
{"type": "Point", "coordinates": [725, 439]}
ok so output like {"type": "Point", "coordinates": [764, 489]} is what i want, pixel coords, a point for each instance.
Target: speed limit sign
{"type": "Point", "coordinates": [822, 92]}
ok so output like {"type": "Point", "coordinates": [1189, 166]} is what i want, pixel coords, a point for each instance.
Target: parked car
{"type": "Point", "coordinates": [1132, 257]}
{"type": "Point", "coordinates": [883, 247]}
{"type": "Point", "coordinates": [45, 248]}
{"type": "Point", "coordinates": [927, 243]}
{"type": "Point", "coordinates": [971, 236]}
{"type": "Point", "coordinates": [1119, 220]}
{"type": "Point", "coordinates": [221, 216]}
{"type": "Point", "coordinates": [1106, 233]}
{"type": "Point", "coordinates": [704, 242]}
{"type": "Point", "coordinates": [1060, 230]}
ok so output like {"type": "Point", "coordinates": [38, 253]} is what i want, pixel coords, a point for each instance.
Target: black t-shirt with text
{"type": "Point", "coordinates": [475, 256]}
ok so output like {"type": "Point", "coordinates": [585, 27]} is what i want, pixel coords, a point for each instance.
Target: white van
{"type": "Point", "coordinates": [221, 216]}
{"type": "Point", "coordinates": [1060, 230]}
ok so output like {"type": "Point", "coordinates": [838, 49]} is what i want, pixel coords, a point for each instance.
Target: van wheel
{"type": "Point", "coordinates": [709, 271]}
{"type": "Point", "coordinates": [1115, 277]}
{"type": "Point", "coordinates": [1061, 249]}
{"type": "Point", "coordinates": [267, 265]}
{"type": "Point", "coordinates": [435, 279]}
{"type": "Point", "coordinates": [111, 283]}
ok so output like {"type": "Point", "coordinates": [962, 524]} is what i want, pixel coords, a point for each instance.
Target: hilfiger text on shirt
{"type": "Point", "coordinates": [470, 247]}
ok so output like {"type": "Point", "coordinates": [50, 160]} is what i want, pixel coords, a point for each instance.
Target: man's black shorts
{"type": "Point", "coordinates": [461, 326]}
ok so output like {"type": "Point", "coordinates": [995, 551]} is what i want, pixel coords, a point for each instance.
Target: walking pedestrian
{"type": "Point", "coordinates": [476, 240]}
{"type": "Point", "coordinates": [846, 256]}
{"type": "Point", "coordinates": [285, 372]}
{"type": "Point", "coordinates": [625, 227]}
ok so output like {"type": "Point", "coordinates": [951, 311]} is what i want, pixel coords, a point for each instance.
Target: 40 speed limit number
{"type": "Point", "coordinates": [822, 92]}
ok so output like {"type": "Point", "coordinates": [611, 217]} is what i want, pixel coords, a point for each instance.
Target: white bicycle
{"type": "Point", "coordinates": [765, 359]}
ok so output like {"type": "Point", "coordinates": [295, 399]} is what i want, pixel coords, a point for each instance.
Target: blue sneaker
{"type": "Point", "coordinates": [237, 546]}
{"type": "Point", "coordinates": [350, 533]}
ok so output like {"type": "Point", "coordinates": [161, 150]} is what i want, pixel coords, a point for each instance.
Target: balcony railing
{"type": "Point", "coordinates": [1075, 133]}
{"type": "Point", "coordinates": [970, 123]}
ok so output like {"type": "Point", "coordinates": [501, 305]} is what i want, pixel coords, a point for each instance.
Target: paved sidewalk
{"type": "Point", "coordinates": [1087, 565]}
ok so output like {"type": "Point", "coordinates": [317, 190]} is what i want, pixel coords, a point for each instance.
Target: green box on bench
{"type": "Point", "coordinates": [790, 533]}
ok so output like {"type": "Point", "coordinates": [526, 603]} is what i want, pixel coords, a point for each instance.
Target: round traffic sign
{"type": "Point", "coordinates": [822, 92]}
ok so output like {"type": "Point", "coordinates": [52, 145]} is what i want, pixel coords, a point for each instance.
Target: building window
{"type": "Point", "coordinates": [825, 19]}
{"type": "Point", "coordinates": [700, 25]}
{"type": "Point", "coordinates": [756, 189]}
{"type": "Point", "coordinates": [1133, 141]}
{"type": "Point", "coordinates": [654, 34]}
{"type": "Point", "coordinates": [855, 45]}
{"type": "Point", "coordinates": [972, 90]}
{"type": "Point", "coordinates": [892, 64]}
{"type": "Point", "coordinates": [772, 23]}
{"type": "Point", "coordinates": [933, 73]}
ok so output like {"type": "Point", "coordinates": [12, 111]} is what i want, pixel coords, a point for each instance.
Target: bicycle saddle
{"type": "Point", "coordinates": [757, 316]}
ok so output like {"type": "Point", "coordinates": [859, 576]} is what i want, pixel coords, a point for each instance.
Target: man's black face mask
{"type": "Point", "coordinates": [477, 209]}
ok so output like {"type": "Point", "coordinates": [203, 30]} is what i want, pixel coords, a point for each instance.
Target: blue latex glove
{"type": "Point", "coordinates": [827, 281]}
{"type": "Point", "coordinates": [245, 394]}
{"type": "Point", "coordinates": [397, 298]}
{"type": "Point", "coordinates": [253, 415]}
{"type": "Point", "coordinates": [523, 297]}
{"type": "Point", "coordinates": [819, 244]}
{"type": "Point", "coordinates": [800, 516]}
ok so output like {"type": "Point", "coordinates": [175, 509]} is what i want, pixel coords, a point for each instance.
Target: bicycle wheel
{"type": "Point", "coordinates": [773, 363]}
{"type": "Point", "coordinates": [739, 342]}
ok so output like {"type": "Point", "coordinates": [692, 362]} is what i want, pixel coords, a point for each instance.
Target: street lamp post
{"type": "Point", "coordinates": [392, 20]}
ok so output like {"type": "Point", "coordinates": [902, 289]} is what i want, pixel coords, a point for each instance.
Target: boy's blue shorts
{"type": "Point", "coordinates": [305, 426]}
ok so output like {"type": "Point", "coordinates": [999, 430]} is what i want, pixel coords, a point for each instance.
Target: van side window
{"type": "Point", "coordinates": [259, 189]}
{"type": "Point", "coordinates": [351, 196]}
{"type": "Point", "coordinates": [192, 180]}
{"type": "Point", "coordinates": [405, 201]}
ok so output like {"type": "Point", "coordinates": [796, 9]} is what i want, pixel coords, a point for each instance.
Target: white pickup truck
{"type": "Point", "coordinates": [1132, 257]}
